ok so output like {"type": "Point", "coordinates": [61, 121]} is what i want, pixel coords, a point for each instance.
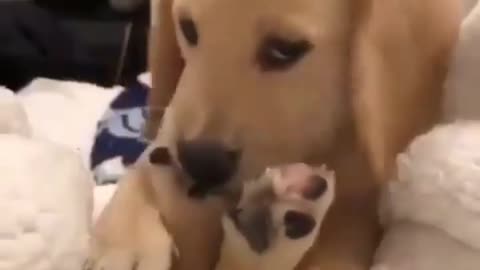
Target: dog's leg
{"type": "Point", "coordinates": [129, 233]}
{"type": "Point", "coordinates": [165, 63]}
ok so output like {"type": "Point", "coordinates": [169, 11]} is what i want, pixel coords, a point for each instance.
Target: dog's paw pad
{"type": "Point", "coordinates": [301, 181]}
{"type": "Point", "coordinates": [316, 187]}
{"type": "Point", "coordinates": [298, 224]}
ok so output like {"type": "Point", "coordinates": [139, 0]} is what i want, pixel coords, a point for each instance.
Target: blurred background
{"type": "Point", "coordinates": [98, 41]}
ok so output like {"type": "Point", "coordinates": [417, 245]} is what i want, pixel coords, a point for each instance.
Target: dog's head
{"type": "Point", "coordinates": [264, 82]}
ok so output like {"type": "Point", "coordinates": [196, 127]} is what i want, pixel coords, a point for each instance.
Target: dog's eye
{"type": "Point", "coordinates": [189, 31]}
{"type": "Point", "coordinates": [278, 54]}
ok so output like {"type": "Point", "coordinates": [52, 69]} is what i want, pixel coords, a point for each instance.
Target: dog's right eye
{"type": "Point", "coordinates": [279, 54]}
{"type": "Point", "coordinates": [189, 31]}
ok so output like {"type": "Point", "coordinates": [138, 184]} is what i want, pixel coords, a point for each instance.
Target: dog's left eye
{"type": "Point", "coordinates": [189, 31]}
{"type": "Point", "coordinates": [278, 54]}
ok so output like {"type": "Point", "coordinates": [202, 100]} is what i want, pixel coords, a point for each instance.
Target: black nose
{"type": "Point", "coordinates": [209, 164]}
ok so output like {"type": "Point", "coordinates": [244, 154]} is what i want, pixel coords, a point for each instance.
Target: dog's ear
{"type": "Point", "coordinates": [400, 56]}
{"type": "Point", "coordinates": [165, 63]}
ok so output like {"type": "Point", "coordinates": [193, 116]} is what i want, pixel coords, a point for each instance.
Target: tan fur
{"type": "Point", "coordinates": [372, 82]}
{"type": "Point", "coordinates": [134, 229]}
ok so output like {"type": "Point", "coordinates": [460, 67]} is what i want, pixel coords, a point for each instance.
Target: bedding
{"type": "Point", "coordinates": [90, 119]}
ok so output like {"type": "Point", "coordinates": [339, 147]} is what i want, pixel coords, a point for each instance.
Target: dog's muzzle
{"type": "Point", "coordinates": [210, 165]}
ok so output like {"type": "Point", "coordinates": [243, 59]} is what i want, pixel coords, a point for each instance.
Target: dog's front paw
{"type": "Point", "coordinates": [147, 246]}
{"type": "Point", "coordinates": [113, 258]}
{"type": "Point", "coordinates": [121, 259]}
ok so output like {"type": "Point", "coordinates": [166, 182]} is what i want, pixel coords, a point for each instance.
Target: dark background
{"type": "Point", "coordinates": [86, 40]}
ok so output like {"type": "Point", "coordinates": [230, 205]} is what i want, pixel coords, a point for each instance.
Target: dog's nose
{"type": "Point", "coordinates": [208, 163]}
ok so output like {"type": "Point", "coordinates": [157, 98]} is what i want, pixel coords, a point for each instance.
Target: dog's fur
{"type": "Point", "coordinates": [372, 80]}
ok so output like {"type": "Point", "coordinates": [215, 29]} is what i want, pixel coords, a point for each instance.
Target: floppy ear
{"type": "Point", "coordinates": [401, 52]}
{"type": "Point", "coordinates": [165, 63]}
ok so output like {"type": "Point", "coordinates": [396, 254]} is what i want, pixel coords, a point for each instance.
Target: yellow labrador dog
{"type": "Point", "coordinates": [254, 83]}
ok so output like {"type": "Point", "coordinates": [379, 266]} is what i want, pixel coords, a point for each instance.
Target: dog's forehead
{"type": "Point", "coordinates": [313, 12]}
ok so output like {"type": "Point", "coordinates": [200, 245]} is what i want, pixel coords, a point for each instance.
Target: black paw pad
{"type": "Point", "coordinates": [316, 188]}
{"type": "Point", "coordinates": [298, 225]}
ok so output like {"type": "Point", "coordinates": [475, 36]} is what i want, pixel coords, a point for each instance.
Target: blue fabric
{"type": "Point", "coordinates": [120, 132]}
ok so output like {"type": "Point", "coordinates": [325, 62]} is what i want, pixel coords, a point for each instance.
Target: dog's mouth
{"type": "Point", "coordinates": [201, 188]}
{"type": "Point", "coordinates": [199, 191]}
{"type": "Point", "coordinates": [209, 165]}
{"type": "Point", "coordinates": [199, 179]}
{"type": "Point", "coordinates": [229, 189]}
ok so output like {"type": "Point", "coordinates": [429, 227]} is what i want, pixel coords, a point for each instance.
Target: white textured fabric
{"type": "Point", "coordinates": [13, 118]}
{"type": "Point", "coordinates": [414, 246]}
{"type": "Point", "coordinates": [46, 203]}
{"type": "Point", "coordinates": [432, 208]}
{"type": "Point", "coordinates": [438, 182]}
{"type": "Point", "coordinates": [145, 78]}
{"type": "Point", "coordinates": [66, 112]}
{"type": "Point", "coordinates": [45, 189]}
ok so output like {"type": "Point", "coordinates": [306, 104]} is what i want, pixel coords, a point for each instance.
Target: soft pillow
{"type": "Point", "coordinates": [46, 201]}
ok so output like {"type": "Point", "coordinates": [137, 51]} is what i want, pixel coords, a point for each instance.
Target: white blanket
{"type": "Point", "coordinates": [66, 112]}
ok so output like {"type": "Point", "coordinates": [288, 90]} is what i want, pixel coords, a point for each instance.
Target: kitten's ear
{"type": "Point", "coordinates": [298, 224]}
{"type": "Point", "coordinates": [401, 53]}
{"type": "Point", "coordinates": [165, 63]}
